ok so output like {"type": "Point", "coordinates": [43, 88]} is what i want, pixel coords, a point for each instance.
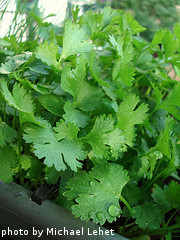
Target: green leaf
{"type": "Point", "coordinates": [9, 163]}
{"type": "Point", "coordinates": [97, 193]}
{"type": "Point", "coordinates": [7, 134]}
{"type": "Point", "coordinates": [95, 68]}
{"type": "Point", "coordinates": [148, 164]}
{"type": "Point", "coordinates": [128, 117]}
{"type": "Point", "coordinates": [169, 44]}
{"type": "Point", "coordinates": [25, 161]}
{"type": "Point", "coordinates": [147, 215]}
{"type": "Point", "coordinates": [163, 144]}
{"type": "Point", "coordinates": [89, 97]}
{"type": "Point", "coordinates": [66, 131]}
{"type": "Point", "coordinates": [20, 100]}
{"type": "Point", "coordinates": [52, 175]}
{"type": "Point", "coordinates": [157, 39]}
{"type": "Point", "coordinates": [47, 146]}
{"type": "Point", "coordinates": [123, 46]}
{"type": "Point", "coordinates": [172, 102]}
{"type": "Point", "coordinates": [123, 74]}
{"type": "Point", "coordinates": [75, 40]}
{"type": "Point", "coordinates": [35, 171]}
{"type": "Point", "coordinates": [116, 141]}
{"type": "Point", "coordinates": [117, 44]}
{"type": "Point", "coordinates": [167, 197]}
{"type": "Point", "coordinates": [72, 80]}
{"type": "Point", "coordinates": [98, 137]}
{"type": "Point", "coordinates": [85, 96]}
{"type": "Point", "coordinates": [53, 103]}
{"type": "Point", "coordinates": [47, 53]}
{"type": "Point", "coordinates": [74, 115]}
{"type": "Point", "coordinates": [12, 63]}
{"type": "Point", "coordinates": [135, 26]}
{"type": "Point", "coordinates": [96, 23]}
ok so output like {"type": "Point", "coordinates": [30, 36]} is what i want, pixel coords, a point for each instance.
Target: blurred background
{"type": "Point", "coordinates": [21, 17]}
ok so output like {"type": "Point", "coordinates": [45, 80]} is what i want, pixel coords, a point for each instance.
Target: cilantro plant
{"type": "Point", "coordinates": [95, 110]}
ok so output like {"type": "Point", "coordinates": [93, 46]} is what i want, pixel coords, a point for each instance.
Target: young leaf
{"type": "Point", "coordinates": [75, 40]}
{"type": "Point", "coordinates": [75, 116]}
{"type": "Point", "coordinates": [66, 131]}
{"type": "Point", "coordinates": [98, 137]}
{"type": "Point", "coordinates": [169, 44]}
{"type": "Point", "coordinates": [123, 47]}
{"type": "Point", "coordinates": [148, 164]}
{"type": "Point", "coordinates": [135, 26]}
{"type": "Point", "coordinates": [97, 193]}
{"type": "Point", "coordinates": [123, 74]}
{"type": "Point", "coordinates": [128, 117]}
{"type": "Point", "coordinates": [48, 53]}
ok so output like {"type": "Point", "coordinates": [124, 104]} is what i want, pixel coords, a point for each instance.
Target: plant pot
{"type": "Point", "coordinates": [21, 218]}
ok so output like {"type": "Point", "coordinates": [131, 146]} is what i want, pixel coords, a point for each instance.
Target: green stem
{"type": "Point", "coordinates": [159, 162]}
{"type": "Point", "coordinates": [126, 203]}
{"type": "Point", "coordinates": [154, 180]}
{"type": "Point", "coordinates": [169, 220]}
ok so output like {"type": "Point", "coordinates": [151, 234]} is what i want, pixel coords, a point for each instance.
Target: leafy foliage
{"type": "Point", "coordinates": [128, 118]}
{"type": "Point", "coordinates": [56, 153]}
{"type": "Point", "coordinates": [93, 109]}
{"type": "Point", "coordinates": [89, 189]}
{"type": "Point", "coordinates": [147, 215]}
{"type": "Point", "coordinates": [75, 40]}
{"type": "Point", "coordinates": [151, 14]}
{"type": "Point", "coordinates": [20, 100]}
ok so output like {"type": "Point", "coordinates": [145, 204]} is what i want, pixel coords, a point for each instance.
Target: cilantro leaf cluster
{"type": "Point", "coordinates": [94, 109]}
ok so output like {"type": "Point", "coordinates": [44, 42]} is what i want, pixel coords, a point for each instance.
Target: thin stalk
{"type": "Point", "coordinates": [148, 91]}
{"type": "Point", "coordinates": [171, 217]}
{"type": "Point", "coordinates": [130, 224]}
{"type": "Point", "coordinates": [126, 203]}
{"type": "Point", "coordinates": [159, 162]}
{"type": "Point", "coordinates": [154, 180]}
